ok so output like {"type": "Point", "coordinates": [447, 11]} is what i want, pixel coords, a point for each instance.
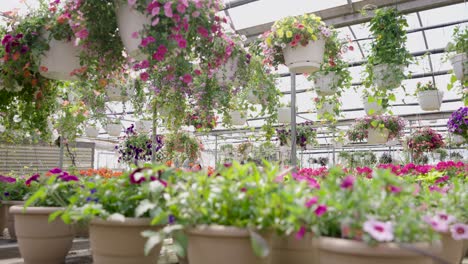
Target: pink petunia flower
{"type": "Point", "coordinates": [146, 41]}
{"type": "Point", "coordinates": [321, 209]}
{"type": "Point", "coordinates": [181, 8]}
{"type": "Point", "coordinates": [300, 233]}
{"type": "Point", "coordinates": [311, 202]}
{"type": "Point", "coordinates": [82, 34]}
{"type": "Point", "coordinates": [459, 231]}
{"type": "Point", "coordinates": [155, 22]}
{"type": "Point", "coordinates": [135, 35]}
{"type": "Point", "coordinates": [144, 76]}
{"type": "Point", "coordinates": [394, 189]}
{"type": "Point", "coordinates": [187, 78]}
{"type": "Point", "coordinates": [182, 43]}
{"type": "Point", "coordinates": [203, 32]}
{"type": "Point", "coordinates": [347, 182]}
{"type": "Point", "coordinates": [168, 9]}
{"type": "Point", "coordinates": [380, 231]}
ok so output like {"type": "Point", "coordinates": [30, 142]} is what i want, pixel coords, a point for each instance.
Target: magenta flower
{"type": "Point", "coordinates": [160, 53]}
{"type": "Point", "coordinates": [203, 32]}
{"type": "Point", "coordinates": [155, 11]}
{"type": "Point", "coordinates": [380, 231]}
{"type": "Point", "coordinates": [440, 222]}
{"type": "Point", "coordinates": [347, 182]}
{"type": "Point", "coordinates": [442, 179]}
{"type": "Point", "coordinates": [181, 8]}
{"type": "Point", "coordinates": [144, 64]}
{"type": "Point", "coordinates": [394, 189]}
{"type": "Point", "coordinates": [300, 233]}
{"type": "Point", "coordinates": [187, 78]}
{"type": "Point", "coordinates": [137, 176]}
{"type": "Point", "coordinates": [135, 35]}
{"type": "Point", "coordinates": [155, 21]}
{"type": "Point", "coordinates": [146, 41]}
{"type": "Point", "coordinates": [55, 171]}
{"type": "Point", "coordinates": [67, 178]}
{"type": "Point", "coordinates": [321, 209]}
{"type": "Point", "coordinates": [35, 177]}
{"type": "Point", "coordinates": [459, 231]}
{"type": "Point", "coordinates": [7, 179]}
{"type": "Point", "coordinates": [82, 34]}
{"type": "Point", "coordinates": [182, 43]}
{"type": "Point", "coordinates": [311, 201]}
{"type": "Point", "coordinates": [144, 76]}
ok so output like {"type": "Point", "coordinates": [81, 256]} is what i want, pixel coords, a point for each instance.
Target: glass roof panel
{"type": "Point", "coordinates": [444, 14]}
{"type": "Point", "coordinates": [440, 37]}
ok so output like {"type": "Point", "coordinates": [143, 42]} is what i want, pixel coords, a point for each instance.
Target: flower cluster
{"type": "Point", "coordinates": [305, 134]}
{"type": "Point", "coordinates": [393, 124]}
{"type": "Point", "coordinates": [102, 172]}
{"type": "Point", "coordinates": [425, 140]}
{"type": "Point", "coordinates": [292, 32]}
{"type": "Point", "coordinates": [202, 121]}
{"type": "Point", "coordinates": [135, 147]}
{"type": "Point", "coordinates": [458, 122]}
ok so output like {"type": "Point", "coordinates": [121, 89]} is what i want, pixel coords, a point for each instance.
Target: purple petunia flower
{"type": "Point", "coordinates": [347, 182]}
{"type": "Point", "coordinates": [7, 179]}
{"type": "Point", "coordinates": [300, 233]}
{"type": "Point", "coordinates": [137, 176]}
{"type": "Point", "coordinates": [55, 171]}
{"type": "Point", "coordinates": [171, 219]}
{"type": "Point", "coordinates": [321, 209]}
{"type": "Point", "coordinates": [68, 178]}
{"type": "Point", "coordinates": [35, 177]}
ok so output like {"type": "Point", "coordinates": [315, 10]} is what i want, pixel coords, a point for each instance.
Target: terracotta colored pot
{"type": "Point", "coordinates": [339, 251]}
{"type": "Point", "coordinates": [39, 241]}
{"type": "Point", "coordinates": [291, 250]}
{"type": "Point", "coordinates": [114, 242]}
{"type": "Point", "coordinates": [10, 218]}
{"type": "Point", "coordinates": [222, 244]}
{"type": "Point", "coordinates": [452, 250]}
{"type": "Point", "coordinates": [3, 217]}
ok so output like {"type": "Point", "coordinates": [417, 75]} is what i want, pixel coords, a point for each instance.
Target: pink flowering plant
{"type": "Point", "coordinates": [424, 140]}
{"type": "Point", "coordinates": [292, 31]}
{"type": "Point", "coordinates": [393, 124]}
{"type": "Point", "coordinates": [14, 188]}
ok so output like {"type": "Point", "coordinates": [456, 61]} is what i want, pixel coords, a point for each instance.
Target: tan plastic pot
{"type": "Point", "coordinates": [222, 244]}
{"type": "Point", "coordinates": [452, 250]}
{"type": "Point", "coordinates": [377, 136]}
{"type": "Point", "coordinates": [39, 241]}
{"type": "Point", "coordinates": [304, 59]}
{"type": "Point", "coordinates": [10, 224]}
{"type": "Point", "coordinates": [81, 230]}
{"type": "Point", "coordinates": [114, 242]}
{"type": "Point", "coordinates": [291, 250]}
{"type": "Point", "coordinates": [339, 251]}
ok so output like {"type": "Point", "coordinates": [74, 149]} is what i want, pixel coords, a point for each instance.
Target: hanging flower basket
{"type": "Point", "coordinates": [386, 75]}
{"type": "Point", "coordinates": [237, 118]}
{"type": "Point", "coordinates": [143, 126]}
{"type": "Point", "coordinates": [131, 22]}
{"type": "Point", "coordinates": [39, 240]}
{"type": "Point", "coordinates": [327, 107]}
{"type": "Point", "coordinates": [252, 98]}
{"type": "Point", "coordinates": [372, 108]}
{"type": "Point", "coordinates": [284, 115]}
{"type": "Point", "coordinates": [304, 59]}
{"type": "Point", "coordinates": [460, 65]}
{"type": "Point", "coordinates": [324, 83]}
{"type": "Point", "coordinates": [91, 132]}
{"type": "Point", "coordinates": [60, 61]}
{"type": "Point", "coordinates": [114, 129]}
{"type": "Point", "coordinates": [430, 100]}
{"type": "Point", "coordinates": [377, 136]}
{"type": "Point", "coordinates": [227, 72]}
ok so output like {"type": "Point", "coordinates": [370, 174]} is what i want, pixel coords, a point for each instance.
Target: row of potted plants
{"type": "Point", "coordinates": [252, 213]}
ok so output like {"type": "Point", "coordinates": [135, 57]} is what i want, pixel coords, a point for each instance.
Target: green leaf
{"type": "Point", "coordinates": [371, 111]}
{"type": "Point", "coordinates": [143, 207]}
{"type": "Point", "coordinates": [152, 241]}
{"type": "Point", "coordinates": [374, 123]}
{"type": "Point", "coordinates": [259, 245]}
{"type": "Point", "coordinates": [370, 99]}
{"type": "Point", "coordinates": [453, 78]}
{"type": "Point", "coordinates": [54, 215]}
{"type": "Point", "coordinates": [171, 228]}
{"type": "Point", "coordinates": [392, 97]}
{"type": "Point", "coordinates": [181, 241]}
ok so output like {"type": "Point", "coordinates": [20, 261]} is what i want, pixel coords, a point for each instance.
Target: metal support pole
{"type": "Point", "coordinates": [216, 150]}
{"type": "Point", "coordinates": [293, 120]}
{"type": "Point", "coordinates": [61, 153]}
{"type": "Point", "coordinates": [155, 134]}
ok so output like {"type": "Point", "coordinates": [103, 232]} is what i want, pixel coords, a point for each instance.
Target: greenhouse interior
{"type": "Point", "coordinates": [234, 131]}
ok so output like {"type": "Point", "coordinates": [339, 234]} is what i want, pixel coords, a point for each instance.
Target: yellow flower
{"type": "Point", "coordinates": [310, 30]}
{"type": "Point", "coordinates": [289, 34]}
{"type": "Point", "coordinates": [268, 41]}
{"type": "Point", "coordinates": [280, 33]}
{"type": "Point", "coordinates": [379, 36]}
{"type": "Point", "coordinates": [314, 37]}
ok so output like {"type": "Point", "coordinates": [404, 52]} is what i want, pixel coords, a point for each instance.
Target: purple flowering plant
{"type": "Point", "coordinates": [458, 122]}
{"type": "Point", "coordinates": [135, 147]}
{"type": "Point", "coordinates": [305, 134]}
{"type": "Point", "coordinates": [394, 125]}
{"type": "Point", "coordinates": [18, 188]}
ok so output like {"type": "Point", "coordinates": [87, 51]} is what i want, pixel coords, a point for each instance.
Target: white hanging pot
{"type": "Point", "coordinates": [384, 75]}
{"type": "Point", "coordinates": [114, 130]}
{"type": "Point", "coordinates": [324, 83]}
{"type": "Point", "coordinates": [304, 59]}
{"type": "Point", "coordinates": [460, 65]}
{"type": "Point", "coordinates": [129, 21]}
{"type": "Point", "coordinates": [115, 93]}
{"type": "Point", "coordinates": [227, 72]}
{"type": "Point", "coordinates": [327, 107]}
{"type": "Point", "coordinates": [60, 60]}
{"type": "Point", "coordinates": [284, 115]}
{"type": "Point", "coordinates": [377, 136]}
{"type": "Point", "coordinates": [92, 132]}
{"type": "Point", "coordinates": [143, 126]}
{"type": "Point", "coordinates": [372, 108]}
{"type": "Point", "coordinates": [252, 98]}
{"type": "Point", "coordinates": [430, 100]}
{"type": "Point", "coordinates": [237, 119]}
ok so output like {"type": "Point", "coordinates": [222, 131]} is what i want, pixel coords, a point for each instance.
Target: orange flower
{"type": "Point", "coordinates": [16, 55]}
{"type": "Point", "coordinates": [102, 82]}
{"type": "Point", "coordinates": [43, 69]}
{"type": "Point", "coordinates": [27, 74]}
{"type": "Point", "coordinates": [48, 173]}
{"type": "Point", "coordinates": [34, 82]}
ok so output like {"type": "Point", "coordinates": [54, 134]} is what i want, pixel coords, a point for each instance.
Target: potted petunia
{"type": "Point", "coordinates": [424, 140]}
{"type": "Point", "coordinates": [376, 129]}
{"type": "Point", "coordinates": [135, 148]}
{"type": "Point", "coordinates": [233, 214]}
{"type": "Point", "coordinates": [429, 97]}
{"type": "Point", "coordinates": [15, 190]}
{"type": "Point", "coordinates": [119, 210]}
{"type": "Point", "coordinates": [297, 42]}
{"type": "Point", "coordinates": [389, 55]}
{"type": "Point", "coordinates": [48, 241]}
{"type": "Point", "coordinates": [458, 123]}
{"type": "Point", "coordinates": [182, 146]}
{"type": "Point", "coordinates": [305, 135]}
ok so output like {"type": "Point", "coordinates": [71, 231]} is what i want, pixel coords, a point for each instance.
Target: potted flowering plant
{"type": "Point", "coordinates": [376, 129]}
{"type": "Point", "coordinates": [424, 140]}
{"type": "Point", "coordinates": [15, 190]}
{"type": "Point", "coordinates": [305, 135]}
{"type": "Point", "coordinates": [429, 97]}
{"type": "Point", "coordinates": [459, 47]}
{"type": "Point", "coordinates": [458, 123]}
{"type": "Point", "coordinates": [298, 42]}
{"type": "Point", "coordinates": [328, 107]}
{"type": "Point", "coordinates": [119, 209]}
{"type": "Point", "coordinates": [201, 120]}
{"type": "Point", "coordinates": [186, 145]}
{"type": "Point", "coordinates": [135, 148]}
{"type": "Point", "coordinates": [333, 76]}
{"type": "Point", "coordinates": [46, 241]}
{"type": "Point", "coordinates": [230, 225]}
{"type": "Point", "coordinates": [114, 127]}
{"type": "Point", "coordinates": [375, 103]}
{"type": "Point", "coordinates": [389, 56]}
